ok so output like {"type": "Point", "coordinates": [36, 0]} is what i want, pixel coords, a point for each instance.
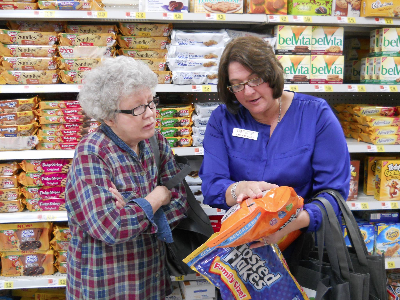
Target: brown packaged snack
{"type": "Point", "coordinates": [145, 29]}
{"type": "Point", "coordinates": [71, 5]}
{"type": "Point", "coordinates": [17, 118]}
{"type": "Point", "coordinates": [28, 63]}
{"type": "Point", "coordinates": [63, 119]}
{"type": "Point", "coordinates": [18, 130]}
{"type": "Point", "coordinates": [176, 122]}
{"type": "Point", "coordinates": [11, 206]}
{"type": "Point", "coordinates": [59, 245]}
{"type": "Point", "coordinates": [42, 179]}
{"type": "Point", "coordinates": [186, 141]}
{"type": "Point", "coordinates": [61, 256]}
{"type": "Point", "coordinates": [60, 139]}
{"type": "Point", "coordinates": [44, 192]}
{"type": "Point", "coordinates": [155, 64]}
{"type": "Point", "coordinates": [57, 26]}
{"type": "Point", "coordinates": [87, 39]}
{"type": "Point", "coordinates": [91, 29]}
{"type": "Point", "coordinates": [71, 77]}
{"type": "Point", "coordinates": [62, 126]}
{"type": "Point", "coordinates": [25, 236]}
{"type": "Point", "coordinates": [53, 204]}
{"type": "Point", "coordinates": [16, 105]}
{"type": "Point", "coordinates": [8, 182]}
{"type": "Point", "coordinates": [176, 132]}
{"type": "Point", "coordinates": [56, 146]}
{"type": "Point", "coordinates": [136, 42]}
{"type": "Point", "coordinates": [144, 53]}
{"type": "Point", "coordinates": [355, 174]}
{"type": "Point", "coordinates": [164, 77]}
{"type": "Point", "coordinates": [30, 77]}
{"type": "Point", "coordinates": [64, 132]}
{"type": "Point", "coordinates": [18, 6]}
{"type": "Point", "coordinates": [9, 194]}
{"type": "Point", "coordinates": [18, 143]}
{"type": "Point", "coordinates": [17, 37]}
{"type": "Point", "coordinates": [59, 104]}
{"type": "Point", "coordinates": [46, 165]}
{"type": "Point", "coordinates": [77, 64]}
{"type": "Point", "coordinates": [27, 263]}
{"type": "Point", "coordinates": [62, 268]}
{"type": "Point", "coordinates": [59, 112]}
{"type": "Point", "coordinates": [86, 51]}
{"type": "Point", "coordinates": [62, 233]}
{"type": "Point", "coordinates": [9, 168]}
{"type": "Point", "coordinates": [27, 51]}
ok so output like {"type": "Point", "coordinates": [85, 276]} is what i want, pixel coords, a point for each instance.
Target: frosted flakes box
{"type": "Point", "coordinates": [327, 69]}
{"type": "Point", "coordinates": [310, 8]}
{"type": "Point", "coordinates": [387, 239]}
{"type": "Point", "coordinates": [327, 40]}
{"type": "Point", "coordinates": [381, 8]}
{"type": "Point", "coordinates": [387, 178]}
{"type": "Point", "coordinates": [293, 39]}
{"type": "Point", "coordinates": [269, 7]}
{"type": "Point", "coordinates": [296, 68]}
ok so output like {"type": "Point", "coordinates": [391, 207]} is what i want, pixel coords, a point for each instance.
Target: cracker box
{"type": "Point", "coordinates": [369, 173]}
{"type": "Point", "coordinates": [389, 42]}
{"type": "Point", "coordinates": [355, 174]}
{"type": "Point", "coordinates": [293, 39]}
{"type": "Point", "coordinates": [327, 69]}
{"type": "Point", "coordinates": [327, 40]}
{"type": "Point", "coordinates": [387, 70]}
{"type": "Point", "coordinates": [387, 179]}
{"type": "Point", "coordinates": [352, 70]}
{"type": "Point", "coordinates": [310, 8]}
{"type": "Point", "coordinates": [357, 43]}
{"type": "Point", "coordinates": [343, 8]}
{"type": "Point", "coordinates": [164, 6]}
{"type": "Point", "coordinates": [387, 239]}
{"type": "Point", "coordinates": [296, 68]}
{"type": "Point", "coordinates": [218, 6]}
{"type": "Point", "coordinates": [269, 7]}
{"type": "Point", "coordinates": [197, 289]}
{"type": "Point", "coordinates": [380, 8]}
{"type": "Point", "coordinates": [368, 233]}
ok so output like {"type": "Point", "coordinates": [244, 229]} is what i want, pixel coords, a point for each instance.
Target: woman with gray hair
{"type": "Point", "coordinates": [118, 216]}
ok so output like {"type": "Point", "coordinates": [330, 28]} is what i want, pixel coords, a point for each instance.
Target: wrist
{"type": "Point", "coordinates": [234, 193]}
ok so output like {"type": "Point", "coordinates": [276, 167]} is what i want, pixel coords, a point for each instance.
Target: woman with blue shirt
{"type": "Point", "coordinates": [263, 136]}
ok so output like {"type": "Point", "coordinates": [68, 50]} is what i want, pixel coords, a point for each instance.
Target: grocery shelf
{"type": "Point", "coordinates": [35, 154]}
{"type": "Point", "coordinates": [365, 202]}
{"type": "Point", "coordinates": [392, 262]}
{"type": "Point", "coordinates": [342, 88]}
{"type": "Point", "coordinates": [360, 147]}
{"type": "Point", "coordinates": [34, 216]}
{"type": "Point", "coordinates": [30, 282]}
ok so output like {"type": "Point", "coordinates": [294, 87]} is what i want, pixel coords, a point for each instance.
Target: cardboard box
{"type": "Point", "coordinates": [387, 70]}
{"type": "Point", "coordinates": [343, 8]}
{"type": "Point", "coordinates": [355, 174]}
{"type": "Point", "coordinates": [387, 239]}
{"type": "Point", "coordinates": [387, 176]}
{"type": "Point", "coordinates": [327, 69]}
{"type": "Point", "coordinates": [365, 70]}
{"type": "Point", "coordinates": [389, 44]}
{"type": "Point", "coordinates": [296, 68]}
{"type": "Point", "coordinates": [381, 8]}
{"type": "Point", "coordinates": [269, 7]}
{"type": "Point", "coordinates": [327, 40]}
{"type": "Point", "coordinates": [352, 70]}
{"type": "Point", "coordinates": [293, 39]}
{"type": "Point", "coordinates": [181, 6]}
{"type": "Point", "coordinates": [197, 289]}
{"type": "Point", "coordinates": [219, 6]}
{"type": "Point", "coordinates": [310, 8]}
{"type": "Point", "coordinates": [357, 43]}
{"type": "Point", "coordinates": [369, 173]}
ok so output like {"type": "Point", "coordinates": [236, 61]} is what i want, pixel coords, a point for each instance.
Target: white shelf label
{"type": "Point", "coordinates": [375, 148]}
{"type": "Point", "coordinates": [172, 16]}
{"type": "Point", "coordinates": [52, 282]}
{"type": "Point", "coordinates": [198, 151]}
{"type": "Point", "coordinates": [5, 285]}
{"type": "Point", "coordinates": [384, 88]}
{"type": "Point", "coordinates": [319, 88]}
{"type": "Point", "coordinates": [197, 88]}
{"type": "Point", "coordinates": [386, 205]}
{"type": "Point", "coordinates": [351, 88]}
{"type": "Point", "coordinates": [211, 16]}
{"type": "Point", "coordinates": [342, 19]}
{"type": "Point", "coordinates": [359, 206]}
{"type": "Point", "coordinates": [379, 21]}
{"type": "Point", "coordinates": [298, 19]}
{"type": "Point", "coordinates": [273, 18]}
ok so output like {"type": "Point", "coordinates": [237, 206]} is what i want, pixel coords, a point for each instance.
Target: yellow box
{"type": "Point", "coordinates": [381, 8]}
{"type": "Point", "coordinates": [369, 173]}
{"type": "Point", "coordinates": [387, 176]}
{"type": "Point", "coordinates": [269, 7]}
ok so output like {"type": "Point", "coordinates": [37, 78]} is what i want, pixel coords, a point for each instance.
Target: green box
{"type": "Point", "coordinates": [310, 8]}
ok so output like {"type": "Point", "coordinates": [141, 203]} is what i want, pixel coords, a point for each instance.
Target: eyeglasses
{"type": "Point", "coordinates": [236, 88]}
{"type": "Point", "coordinates": [139, 110]}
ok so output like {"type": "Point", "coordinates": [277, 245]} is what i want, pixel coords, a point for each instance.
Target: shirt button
{"type": "Point", "coordinates": [141, 173]}
{"type": "Point", "coordinates": [157, 275]}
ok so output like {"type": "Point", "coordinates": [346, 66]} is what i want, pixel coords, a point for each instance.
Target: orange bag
{"type": "Point", "coordinates": [255, 218]}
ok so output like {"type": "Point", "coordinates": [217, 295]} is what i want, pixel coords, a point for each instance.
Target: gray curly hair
{"type": "Point", "coordinates": [114, 78]}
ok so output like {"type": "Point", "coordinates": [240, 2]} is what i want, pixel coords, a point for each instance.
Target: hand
{"type": "Point", "coordinates": [160, 194]}
{"type": "Point", "coordinates": [252, 189]}
{"type": "Point", "coordinates": [119, 201]}
{"type": "Point", "coordinates": [273, 238]}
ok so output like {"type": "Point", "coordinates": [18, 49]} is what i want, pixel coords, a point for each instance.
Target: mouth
{"type": "Point", "coordinates": [149, 126]}
{"type": "Point", "coordinates": [254, 100]}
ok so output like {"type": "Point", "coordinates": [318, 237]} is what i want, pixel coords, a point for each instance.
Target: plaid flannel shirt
{"type": "Point", "coordinates": [119, 253]}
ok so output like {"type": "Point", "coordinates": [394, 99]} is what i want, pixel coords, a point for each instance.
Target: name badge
{"type": "Point", "coordinates": [246, 134]}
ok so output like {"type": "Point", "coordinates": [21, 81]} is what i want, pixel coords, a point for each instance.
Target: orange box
{"type": "Point", "coordinates": [269, 7]}
{"type": "Point", "coordinates": [387, 178]}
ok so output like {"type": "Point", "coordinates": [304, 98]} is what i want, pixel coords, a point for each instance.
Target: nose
{"type": "Point", "coordinates": [149, 112]}
{"type": "Point", "coordinates": [248, 89]}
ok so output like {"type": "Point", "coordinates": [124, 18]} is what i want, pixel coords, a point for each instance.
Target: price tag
{"type": "Point", "coordinates": [294, 88]}
{"type": "Point", "coordinates": [5, 285]}
{"type": "Point", "coordinates": [388, 21]}
{"type": "Point", "coordinates": [352, 88]}
{"type": "Point", "coordinates": [364, 206]}
{"type": "Point", "coordinates": [198, 151]}
{"type": "Point", "coordinates": [380, 148]}
{"type": "Point", "coordinates": [283, 19]}
{"type": "Point", "coordinates": [393, 88]}
{"type": "Point", "coordinates": [51, 217]}
{"type": "Point", "coordinates": [351, 20]}
{"type": "Point", "coordinates": [319, 88]}
{"type": "Point", "coordinates": [179, 278]}
{"type": "Point", "coordinates": [391, 265]}
{"type": "Point", "coordinates": [100, 14]}
{"type": "Point", "coordinates": [328, 88]}
{"type": "Point", "coordinates": [49, 14]}
{"type": "Point", "coordinates": [379, 21]}
{"type": "Point", "coordinates": [307, 19]}
{"type": "Point", "coordinates": [386, 205]}
{"type": "Point", "coordinates": [272, 18]}
{"type": "Point", "coordinates": [52, 282]}
{"type": "Point", "coordinates": [142, 46]}
{"type": "Point", "coordinates": [384, 88]}
{"type": "Point", "coordinates": [361, 88]}
{"type": "Point", "coordinates": [62, 281]}
{"type": "Point", "coordinates": [221, 17]}
{"type": "Point", "coordinates": [178, 16]}
{"type": "Point", "coordinates": [206, 88]}
{"type": "Point", "coordinates": [297, 18]}
{"type": "Point", "coordinates": [394, 205]}
{"type": "Point", "coordinates": [197, 88]}
{"type": "Point", "coordinates": [342, 19]}
{"type": "Point", "coordinates": [140, 15]}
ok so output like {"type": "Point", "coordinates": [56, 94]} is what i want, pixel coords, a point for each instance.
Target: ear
{"type": "Point", "coordinates": [110, 123]}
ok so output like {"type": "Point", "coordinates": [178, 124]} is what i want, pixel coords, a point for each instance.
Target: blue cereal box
{"type": "Point", "coordinates": [368, 233]}
{"type": "Point", "coordinates": [387, 240]}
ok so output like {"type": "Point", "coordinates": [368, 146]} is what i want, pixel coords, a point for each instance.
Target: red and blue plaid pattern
{"type": "Point", "coordinates": [115, 253]}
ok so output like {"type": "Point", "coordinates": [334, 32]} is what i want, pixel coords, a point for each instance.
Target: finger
{"type": "Point", "coordinates": [257, 245]}
{"type": "Point", "coordinates": [115, 193]}
{"type": "Point", "coordinates": [119, 205]}
{"type": "Point", "coordinates": [267, 186]}
{"type": "Point", "coordinates": [113, 185]}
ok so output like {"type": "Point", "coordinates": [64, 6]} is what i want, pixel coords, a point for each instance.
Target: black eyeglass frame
{"type": "Point", "coordinates": [155, 101]}
{"type": "Point", "coordinates": [229, 87]}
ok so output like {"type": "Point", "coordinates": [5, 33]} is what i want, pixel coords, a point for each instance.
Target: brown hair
{"type": "Point", "coordinates": [258, 56]}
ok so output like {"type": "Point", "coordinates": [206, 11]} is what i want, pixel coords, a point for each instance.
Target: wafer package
{"type": "Point", "coordinates": [27, 263]}
{"type": "Point", "coordinates": [46, 165]}
{"type": "Point", "coordinates": [9, 194]}
{"type": "Point", "coordinates": [244, 273]}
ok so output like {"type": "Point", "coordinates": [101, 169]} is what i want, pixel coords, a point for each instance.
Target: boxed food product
{"type": "Point", "coordinates": [53, 204]}
{"type": "Point", "coordinates": [27, 50]}
{"type": "Point", "coordinates": [357, 43]}
{"type": "Point", "coordinates": [137, 42]}
{"type": "Point", "coordinates": [71, 5]}
{"type": "Point", "coordinates": [355, 174]}
{"type": "Point", "coordinates": [23, 25]}
{"type": "Point", "coordinates": [9, 169]}
{"type": "Point", "coordinates": [165, 6]}
{"type": "Point", "coordinates": [387, 239]}
{"type": "Point", "coordinates": [355, 54]}
{"type": "Point", "coordinates": [155, 64]}
{"type": "Point", "coordinates": [215, 6]}
{"type": "Point", "coordinates": [42, 179]}
{"type": "Point", "coordinates": [18, 143]}
{"type": "Point", "coordinates": [29, 77]}
{"type": "Point", "coordinates": [44, 192]}
{"type": "Point", "coordinates": [388, 42]}
{"type": "Point", "coordinates": [56, 146]}
{"type": "Point", "coordinates": [87, 39]}
{"type": "Point", "coordinates": [11, 206]}
{"type": "Point", "coordinates": [381, 8]}
{"type": "Point", "coordinates": [8, 182]}
{"type": "Point", "coordinates": [59, 104]}
{"type": "Point", "coordinates": [387, 180]}
{"type": "Point", "coordinates": [72, 28]}
{"type": "Point", "coordinates": [193, 52]}
{"type": "Point", "coordinates": [28, 63]}
{"type": "Point", "coordinates": [185, 141]}
{"type": "Point", "coordinates": [352, 69]}
{"type": "Point", "coordinates": [17, 105]}
{"type": "Point", "coordinates": [17, 118]}
{"type": "Point", "coordinates": [197, 289]}
{"type": "Point", "coordinates": [296, 68]}
{"type": "Point", "coordinates": [163, 77]}
{"type": "Point", "coordinates": [145, 29]}
{"type": "Point", "coordinates": [18, 130]}
{"type": "Point", "coordinates": [46, 165]}
{"type": "Point", "coordinates": [199, 65]}
{"type": "Point", "coordinates": [27, 263]}
{"type": "Point", "coordinates": [293, 39]}
{"type": "Point", "coordinates": [327, 40]}
{"type": "Point", "coordinates": [269, 7]}
{"type": "Point", "coordinates": [346, 8]}
{"type": "Point", "coordinates": [310, 8]}
{"type": "Point", "coordinates": [199, 38]}
{"type": "Point", "coordinates": [368, 234]}
{"type": "Point", "coordinates": [382, 217]}
{"type": "Point", "coordinates": [387, 70]}
{"type": "Point", "coordinates": [144, 53]}
{"type": "Point", "coordinates": [85, 51]}
{"type": "Point", "coordinates": [18, 6]}
{"type": "Point", "coordinates": [17, 37]}
{"type": "Point", "coordinates": [327, 69]}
